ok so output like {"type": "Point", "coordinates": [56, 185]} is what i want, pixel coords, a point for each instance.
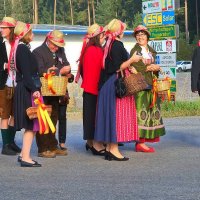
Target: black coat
{"type": "Point", "coordinates": [195, 72]}
{"type": "Point", "coordinates": [3, 59]}
{"type": "Point", "coordinates": [45, 58]}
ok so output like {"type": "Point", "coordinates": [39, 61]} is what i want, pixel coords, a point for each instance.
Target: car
{"type": "Point", "coordinates": [183, 66]}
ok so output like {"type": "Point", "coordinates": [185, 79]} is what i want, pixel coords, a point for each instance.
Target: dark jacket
{"type": "Point", "coordinates": [3, 59]}
{"type": "Point", "coordinates": [195, 72]}
{"type": "Point", "coordinates": [140, 66]}
{"type": "Point", "coordinates": [46, 59]}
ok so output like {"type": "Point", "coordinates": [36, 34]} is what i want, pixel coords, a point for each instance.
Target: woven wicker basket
{"type": "Point", "coordinates": [163, 85]}
{"type": "Point", "coordinates": [32, 111]}
{"type": "Point", "coordinates": [59, 85]}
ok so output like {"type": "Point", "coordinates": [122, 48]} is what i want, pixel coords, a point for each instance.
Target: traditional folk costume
{"type": "Point", "coordinates": [150, 123]}
{"type": "Point", "coordinates": [116, 118]}
{"type": "Point", "coordinates": [90, 65]}
{"type": "Point", "coordinates": [7, 84]}
{"type": "Point", "coordinates": [47, 143]}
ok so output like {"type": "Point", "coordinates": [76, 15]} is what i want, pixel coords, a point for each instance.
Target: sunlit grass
{"type": "Point", "coordinates": [180, 108]}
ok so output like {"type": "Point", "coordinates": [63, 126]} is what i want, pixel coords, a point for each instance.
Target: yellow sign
{"type": "Point", "coordinates": [152, 19]}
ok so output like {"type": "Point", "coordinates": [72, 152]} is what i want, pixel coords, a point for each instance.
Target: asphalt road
{"type": "Point", "coordinates": [172, 173]}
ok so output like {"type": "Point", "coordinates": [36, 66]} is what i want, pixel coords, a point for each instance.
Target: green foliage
{"type": "Point", "coordinates": [180, 108]}
{"type": "Point", "coordinates": [185, 50]}
{"type": "Point", "coordinates": [137, 20]}
{"type": "Point", "coordinates": [106, 11]}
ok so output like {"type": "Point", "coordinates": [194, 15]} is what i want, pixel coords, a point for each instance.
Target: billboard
{"type": "Point", "coordinates": [163, 46]}
{"type": "Point", "coordinates": [159, 18]}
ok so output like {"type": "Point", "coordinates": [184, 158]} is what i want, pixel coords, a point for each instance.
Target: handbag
{"type": "Point", "coordinates": [135, 83]}
{"type": "Point", "coordinates": [36, 81]}
{"type": "Point", "coordinates": [120, 88]}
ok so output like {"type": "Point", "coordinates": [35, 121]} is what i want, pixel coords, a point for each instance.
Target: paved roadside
{"type": "Point", "coordinates": [172, 173]}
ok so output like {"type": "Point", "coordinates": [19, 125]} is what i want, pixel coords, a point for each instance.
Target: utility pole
{"type": "Point", "coordinates": [186, 22]}
{"type": "Point", "coordinates": [197, 17]}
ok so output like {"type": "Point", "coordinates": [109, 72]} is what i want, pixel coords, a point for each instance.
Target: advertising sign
{"type": "Point", "coordinates": [166, 60]}
{"type": "Point", "coordinates": [168, 72]}
{"type": "Point", "coordinates": [163, 46]}
{"type": "Point", "coordinates": [168, 5]}
{"type": "Point", "coordinates": [159, 18]}
{"type": "Point", "coordinates": [160, 32]}
{"type": "Point", "coordinates": [151, 6]}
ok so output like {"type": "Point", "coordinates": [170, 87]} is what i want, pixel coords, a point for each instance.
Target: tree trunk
{"type": "Point", "coordinates": [186, 22]}
{"type": "Point", "coordinates": [36, 11]}
{"type": "Point", "coordinates": [72, 12]}
{"type": "Point", "coordinates": [89, 22]}
{"type": "Point", "coordinates": [197, 17]}
{"type": "Point", "coordinates": [93, 12]}
{"type": "Point", "coordinates": [54, 15]}
{"type": "Point", "coordinates": [33, 11]}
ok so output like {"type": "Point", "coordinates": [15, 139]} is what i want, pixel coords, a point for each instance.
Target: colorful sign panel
{"type": "Point", "coordinates": [159, 32]}
{"type": "Point", "coordinates": [157, 5]}
{"type": "Point", "coordinates": [168, 72]}
{"type": "Point", "coordinates": [159, 18]}
{"type": "Point", "coordinates": [163, 46]}
{"type": "Point", "coordinates": [167, 5]}
{"type": "Point", "coordinates": [166, 60]}
{"type": "Point", "coordinates": [151, 6]}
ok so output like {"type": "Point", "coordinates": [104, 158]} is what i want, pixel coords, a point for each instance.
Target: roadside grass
{"type": "Point", "coordinates": [180, 108]}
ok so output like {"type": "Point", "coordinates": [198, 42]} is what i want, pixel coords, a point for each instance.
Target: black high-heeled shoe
{"type": "Point", "coordinates": [111, 156]}
{"type": "Point", "coordinates": [87, 147]}
{"type": "Point", "coordinates": [98, 153]}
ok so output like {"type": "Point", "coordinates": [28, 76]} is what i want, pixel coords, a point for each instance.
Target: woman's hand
{"type": "Point", "coordinates": [135, 58]}
{"type": "Point", "coordinates": [132, 70]}
{"type": "Point", "coordinates": [52, 69]}
{"type": "Point", "coordinates": [153, 68]}
{"type": "Point", "coordinates": [36, 94]}
{"type": "Point", "coordinates": [65, 70]}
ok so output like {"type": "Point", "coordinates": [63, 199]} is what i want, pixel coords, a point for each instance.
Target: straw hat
{"type": "Point", "coordinates": [116, 26]}
{"type": "Point", "coordinates": [57, 38]}
{"type": "Point", "coordinates": [141, 28]}
{"type": "Point", "coordinates": [22, 29]}
{"type": "Point", "coordinates": [8, 22]}
{"type": "Point", "coordinates": [95, 30]}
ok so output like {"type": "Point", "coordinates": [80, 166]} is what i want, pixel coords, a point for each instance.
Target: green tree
{"type": "Point", "coordinates": [137, 19]}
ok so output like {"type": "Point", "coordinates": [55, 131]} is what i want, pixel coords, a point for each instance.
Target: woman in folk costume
{"type": "Point", "coordinates": [116, 118]}
{"type": "Point", "coordinates": [7, 84]}
{"type": "Point", "coordinates": [90, 65]}
{"type": "Point", "coordinates": [150, 122]}
{"type": "Point", "coordinates": [26, 90]}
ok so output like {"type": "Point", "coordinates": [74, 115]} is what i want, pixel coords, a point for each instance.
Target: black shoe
{"type": "Point", "coordinates": [7, 150]}
{"type": "Point", "coordinates": [27, 164]}
{"type": "Point", "coordinates": [15, 147]}
{"type": "Point", "coordinates": [98, 153]}
{"type": "Point", "coordinates": [87, 147]}
{"type": "Point", "coordinates": [109, 156]}
{"type": "Point", "coordinates": [19, 159]}
{"type": "Point", "coordinates": [94, 151]}
{"type": "Point", "coordinates": [120, 144]}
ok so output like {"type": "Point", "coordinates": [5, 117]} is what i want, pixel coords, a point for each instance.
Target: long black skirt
{"type": "Point", "coordinates": [22, 101]}
{"type": "Point", "coordinates": [89, 115]}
